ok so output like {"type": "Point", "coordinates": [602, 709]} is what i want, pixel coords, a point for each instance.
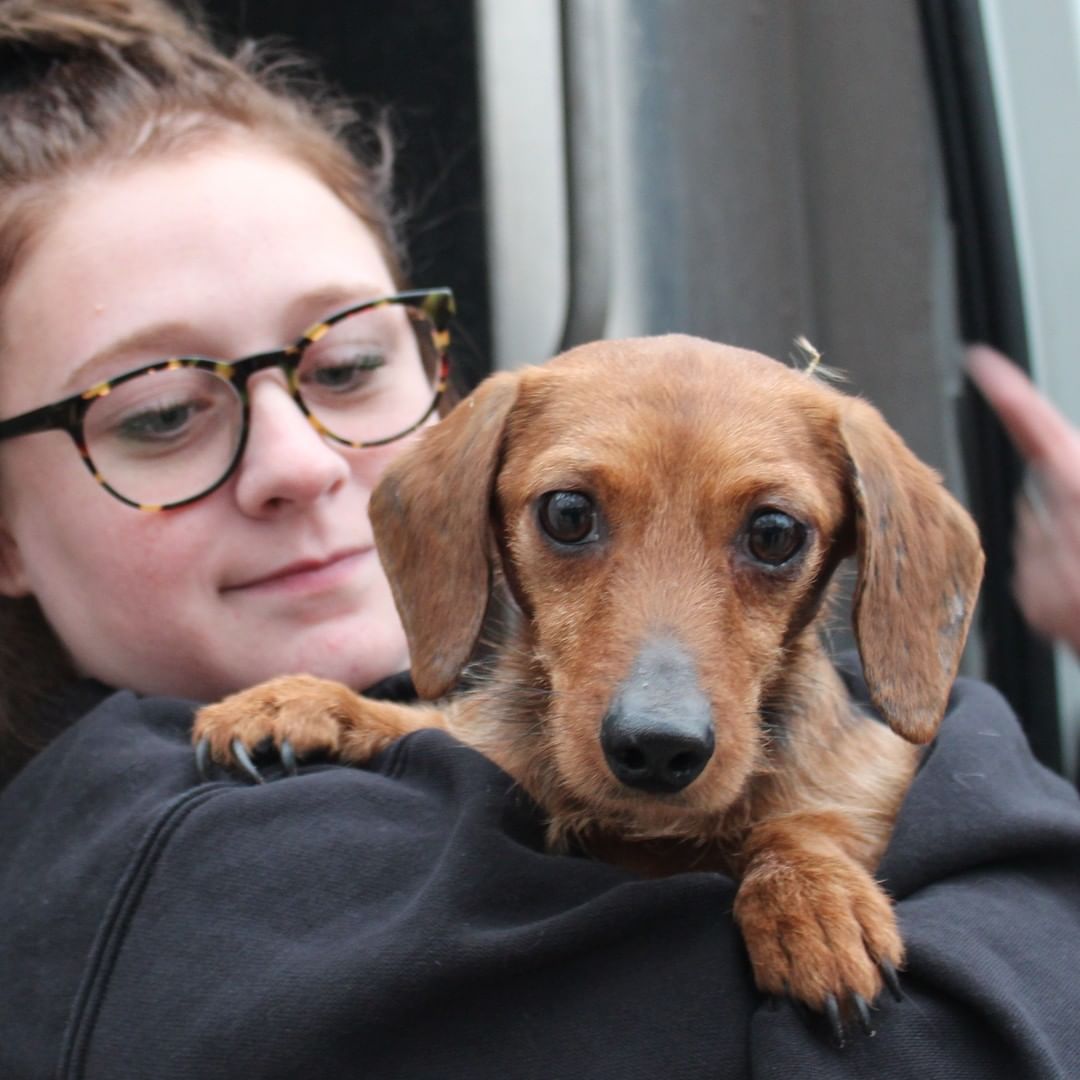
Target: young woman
{"type": "Point", "coordinates": [206, 360]}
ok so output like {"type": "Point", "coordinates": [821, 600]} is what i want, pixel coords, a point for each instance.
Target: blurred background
{"type": "Point", "coordinates": [890, 178]}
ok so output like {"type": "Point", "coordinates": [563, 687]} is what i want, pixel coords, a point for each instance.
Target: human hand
{"type": "Point", "coordinates": [1046, 542]}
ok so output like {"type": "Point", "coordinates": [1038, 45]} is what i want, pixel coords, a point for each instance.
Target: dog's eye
{"type": "Point", "coordinates": [568, 516]}
{"type": "Point", "coordinates": [774, 537]}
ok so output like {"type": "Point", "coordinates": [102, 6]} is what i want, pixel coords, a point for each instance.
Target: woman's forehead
{"type": "Point", "coordinates": [238, 244]}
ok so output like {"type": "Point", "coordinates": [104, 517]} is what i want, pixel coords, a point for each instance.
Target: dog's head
{"type": "Point", "coordinates": [667, 513]}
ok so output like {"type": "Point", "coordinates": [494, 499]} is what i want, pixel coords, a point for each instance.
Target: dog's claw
{"type": "Point", "coordinates": [243, 759]}
{"type": "Point", "coordinates": [892, 980]}
{"type": "Point", "coordinates": [288, 757]}
{"type": "Point", "coordinates": [202, 758]}
{"type": "Point", "coordinates": [836, 1024]}
{"type": "Point", "coordinates": [862, 1013]}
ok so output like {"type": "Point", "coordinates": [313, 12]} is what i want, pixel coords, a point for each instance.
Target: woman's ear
{"type": "Point", "coordinates": [13, 581]}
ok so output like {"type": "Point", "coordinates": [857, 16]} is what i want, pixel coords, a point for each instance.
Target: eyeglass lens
{"type": "Point", "coordinates": [171, 434]}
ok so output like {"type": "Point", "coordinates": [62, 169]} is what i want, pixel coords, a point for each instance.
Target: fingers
{"type": "Point", "coordinates": [1036, 570]}
{"type": "Point", "coordinates": [1041, 434]}
{"type": "Point", "coordinates": [1032, 497]}
{"type": "Point", "coordinates": [1046, 544]}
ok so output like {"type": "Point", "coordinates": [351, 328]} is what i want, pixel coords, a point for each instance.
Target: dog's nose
{"type": "Point", "coordinates": [655, 756]}
{"type": "Point", "coordinates": [658, 732]}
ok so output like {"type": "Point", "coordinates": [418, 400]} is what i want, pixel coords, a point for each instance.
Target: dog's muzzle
{"type": "Point", "coordinates": [657, 735]}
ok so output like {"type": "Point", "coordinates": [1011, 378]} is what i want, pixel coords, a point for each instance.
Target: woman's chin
{"type": "Point", "coordinates": [357, 650]}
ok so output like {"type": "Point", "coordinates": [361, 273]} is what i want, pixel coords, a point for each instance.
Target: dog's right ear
{"type": "Point", "coordinates": [431, 513]}
{"type": "Point", "coordinates": [920, 565]}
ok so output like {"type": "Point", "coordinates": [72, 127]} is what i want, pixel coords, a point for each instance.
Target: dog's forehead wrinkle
{"type": "Point", "coordinates": [711, 435]}
{"type": "Point", "coordinates": [704, 468]}
{"type": "Point", "coordinates": [678, 357]}
{"type": "Point", "coordinates": [675, 376]}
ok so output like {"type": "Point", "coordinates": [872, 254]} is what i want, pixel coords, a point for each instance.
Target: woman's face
{"type": "Point", "coordinates": [225, 252]}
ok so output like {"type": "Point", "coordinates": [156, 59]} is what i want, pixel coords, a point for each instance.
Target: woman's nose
{"type": "Point", "coordinates": [287, 464]}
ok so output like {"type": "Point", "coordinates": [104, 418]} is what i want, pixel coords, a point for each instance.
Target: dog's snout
{"type": "Point", "coordinates": [658, 734]}
{"type": "Point", "coordinates": [653, 755]}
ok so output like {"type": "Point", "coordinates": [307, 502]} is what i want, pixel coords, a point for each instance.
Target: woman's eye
{"type": "Point", "coordinates": [161, 422]}
{"type": "Point", "coordinates": [568, 517]}
{"type": "Point", "coordinates": [344, 375]}
{"type": "Point", "coordinates": [775, 537]}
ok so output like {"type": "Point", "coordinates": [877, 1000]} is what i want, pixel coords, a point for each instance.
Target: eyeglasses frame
{"type": "Point", "coordinates": [437, 305]}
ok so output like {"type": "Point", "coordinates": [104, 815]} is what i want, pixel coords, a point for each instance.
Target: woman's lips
{"type": "Point", "coordinates": [307, 575]}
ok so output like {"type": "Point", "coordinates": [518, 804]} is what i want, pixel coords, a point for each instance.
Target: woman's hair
{"type": "Point", "coordinates": [89, 85]}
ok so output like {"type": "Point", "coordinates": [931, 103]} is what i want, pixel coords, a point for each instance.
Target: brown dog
{"type": "Point", "coordinates": [665, 515]}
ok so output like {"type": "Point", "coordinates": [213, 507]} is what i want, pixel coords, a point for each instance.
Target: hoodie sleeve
{"type": "Point", "coordinates": [984, 865]}
{"type": "Point", "coordinates": [404, 921]}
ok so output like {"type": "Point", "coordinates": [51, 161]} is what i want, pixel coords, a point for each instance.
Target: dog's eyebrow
{"type": "Point", "coordinates": [562, 472]}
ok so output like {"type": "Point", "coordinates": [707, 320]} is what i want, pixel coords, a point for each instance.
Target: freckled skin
{"type": "Point", "coordinates": [145, 601]}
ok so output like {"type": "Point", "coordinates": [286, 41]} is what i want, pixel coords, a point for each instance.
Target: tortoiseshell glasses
{"type": "Point", "coordinates": [173, 431]}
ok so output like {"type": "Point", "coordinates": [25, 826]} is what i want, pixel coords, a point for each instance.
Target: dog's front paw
{"type": "Point", "coordinates": [297, 715]}
{"type": "Point", "coordinates": [821, 930]}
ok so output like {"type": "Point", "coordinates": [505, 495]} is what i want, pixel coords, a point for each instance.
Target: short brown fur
{"type": "Point", "coordinates": [679, 441]}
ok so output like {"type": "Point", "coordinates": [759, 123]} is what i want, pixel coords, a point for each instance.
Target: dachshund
{"type": "Point", "coordinates": [662, 519]}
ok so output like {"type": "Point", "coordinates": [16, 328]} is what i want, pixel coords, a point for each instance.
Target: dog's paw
{"type": "Point", "coordinates": [296, 715]}
{"type": "Point", "coordinates": [822, 931]}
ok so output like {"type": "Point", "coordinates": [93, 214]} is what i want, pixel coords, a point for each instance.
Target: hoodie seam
{"type": "Point", "coordinates": [109, 939]}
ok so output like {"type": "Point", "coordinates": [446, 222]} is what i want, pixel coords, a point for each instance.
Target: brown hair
{"type": "Point", "coordinates": [90, 84]}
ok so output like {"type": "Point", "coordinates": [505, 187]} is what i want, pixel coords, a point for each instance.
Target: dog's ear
{"type": "Point", "coordinates": [431, 515]}
{"type": "Point", "coordinates": [919, 569]}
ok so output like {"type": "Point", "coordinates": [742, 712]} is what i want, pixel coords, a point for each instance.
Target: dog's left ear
{"type": "Point", "coordinates": [920, 564]}
{"type": "Point", "coordinates": [431, 513]}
